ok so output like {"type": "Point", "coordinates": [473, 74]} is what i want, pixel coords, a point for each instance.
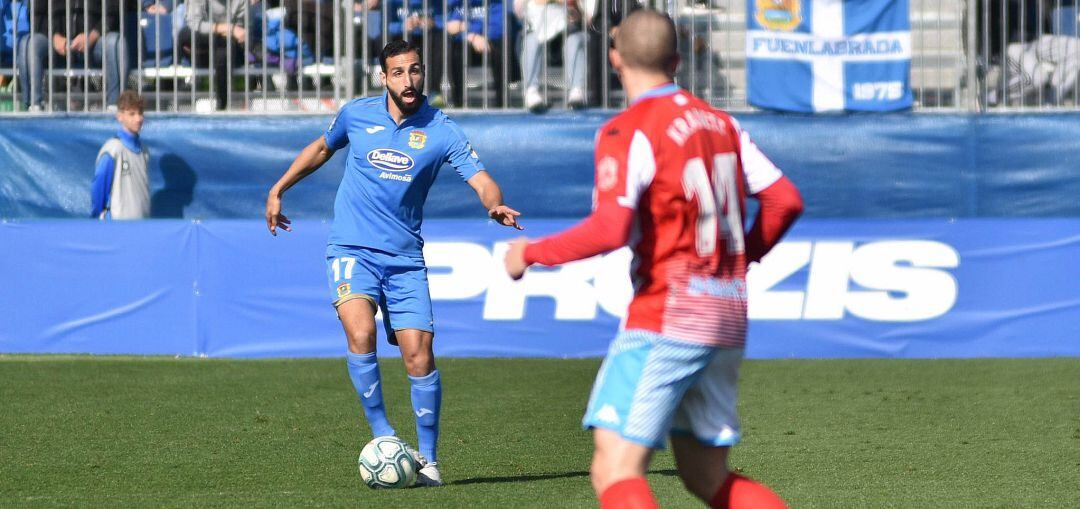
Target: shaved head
{"type": "Point", "coordinates": [646, 41]}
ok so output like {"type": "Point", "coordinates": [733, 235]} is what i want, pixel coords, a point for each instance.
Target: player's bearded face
{"type": "Point", "coordinates": [405, 81]}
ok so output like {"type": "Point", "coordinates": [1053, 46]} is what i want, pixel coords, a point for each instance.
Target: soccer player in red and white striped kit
{"type": "Point", "coordinates": [672, 174]}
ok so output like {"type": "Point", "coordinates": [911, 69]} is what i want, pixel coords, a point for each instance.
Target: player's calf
{"type": "Point", "coordinates": [738, 492]}
{"type": "Point", "coordinates": [618, 470]}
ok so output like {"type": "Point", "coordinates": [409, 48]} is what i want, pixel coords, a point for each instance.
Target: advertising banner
{"type": "Point", "coordinates": [833, 288]}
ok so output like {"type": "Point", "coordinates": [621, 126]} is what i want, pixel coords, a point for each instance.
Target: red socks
{"type": "Point", "coordinates": [739, 492]}
{"type": "Point", "coordinates": [632, 493]}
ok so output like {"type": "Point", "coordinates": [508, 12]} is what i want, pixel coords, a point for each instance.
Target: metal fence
{"type": "Point", "coordinates": [280, 56]}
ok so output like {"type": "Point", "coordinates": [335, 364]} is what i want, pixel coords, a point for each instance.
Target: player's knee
{"type": "Point", "coordinates": [418, 362]}
{"type": "Point", "coordinates": [361, 338]}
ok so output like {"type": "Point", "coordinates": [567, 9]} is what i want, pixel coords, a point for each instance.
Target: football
{"type": "Point", "coordinates": [385, 462]}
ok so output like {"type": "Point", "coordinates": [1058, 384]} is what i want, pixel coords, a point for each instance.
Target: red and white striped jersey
{"type": "Point", "coordinates": [678, 170]}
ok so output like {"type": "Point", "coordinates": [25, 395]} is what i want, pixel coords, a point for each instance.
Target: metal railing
{"type": "Point", "coordinates": [281, 56]}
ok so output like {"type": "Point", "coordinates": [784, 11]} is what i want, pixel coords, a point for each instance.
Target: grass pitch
{"type": "Point", "coordinates": [157, 432]}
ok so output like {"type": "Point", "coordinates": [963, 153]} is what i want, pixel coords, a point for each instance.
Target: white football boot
{"type": "Point", "coordinates": [428, 474]}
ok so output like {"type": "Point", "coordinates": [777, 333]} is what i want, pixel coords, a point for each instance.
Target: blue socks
{"type": "Point", "coordinates": [426, 400]}
{"type": "Point", "coordinates": [364, 372]}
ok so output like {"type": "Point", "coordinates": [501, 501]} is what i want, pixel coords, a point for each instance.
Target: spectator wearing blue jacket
{"type": "Point", "coordinates": [418, 21]}
{"type": "Point", "coordinates": [14, 25]}
{"type": "Point", "coordinates": [479, 29]}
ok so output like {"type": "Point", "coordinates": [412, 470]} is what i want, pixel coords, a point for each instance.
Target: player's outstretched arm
{"type": "Point", "coordinates": [606, 229]}
{"type": "Point", "coordinates": [310, 159]}
{"type": "Point", "coordinates": [781, 204]}
{"type": "Point", "coordinates": [491, 196]}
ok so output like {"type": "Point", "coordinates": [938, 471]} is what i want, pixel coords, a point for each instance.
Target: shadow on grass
{"type": "Point", "coordinates": [541, 477]}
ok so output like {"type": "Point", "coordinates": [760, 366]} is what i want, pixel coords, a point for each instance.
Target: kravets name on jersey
{"type": "Point", "coordinates": [389, 170]}
{"type": "Point", "coordinates": [684, 168]}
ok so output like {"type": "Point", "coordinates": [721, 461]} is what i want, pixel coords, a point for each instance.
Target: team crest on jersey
{"type": "Point", "coordinates": [417, 139]}
{"type": "Point", "coordinates": [607, 173]}
{"type": "Point", "coordinates": [783, 15]}
{"type": "Point", "coordinates": [343, 289]}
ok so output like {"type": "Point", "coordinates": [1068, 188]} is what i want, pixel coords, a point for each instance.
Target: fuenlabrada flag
{"type": "Point", "coordinates": [829, 55]}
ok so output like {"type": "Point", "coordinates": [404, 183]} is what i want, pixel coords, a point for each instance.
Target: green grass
{"type": "Point", "coordinates": [151, 432]}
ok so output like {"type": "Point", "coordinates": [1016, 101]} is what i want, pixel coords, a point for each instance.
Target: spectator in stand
{"type": "Point", "coordinates": [419, 22]}
{"type": "Point", "coordinates": [121, 187]}
{"type": "Point", "coordinates": [14, 25]}
{"type": "Point", "coordinates": [602, 16]}
{"type": "Point", "coordinates": [476, 29]}
{"type": "Point", "coordinates": [313, 20]}
{"type": "Point", "coordinates": [544, 21]}
{"type": "Point", "coordinates": [221, 24]}
{"type": "Point", "coordinates": [74, 31]}
{"type": "Point", "coordinates": [1044, 69]}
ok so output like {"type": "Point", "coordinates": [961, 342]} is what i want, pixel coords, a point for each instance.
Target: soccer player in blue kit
{"type": "Point", "coordinates": [397, 144]}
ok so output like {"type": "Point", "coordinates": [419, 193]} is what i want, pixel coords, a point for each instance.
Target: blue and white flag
{"type": "Point", "coordinates": [829, 55]}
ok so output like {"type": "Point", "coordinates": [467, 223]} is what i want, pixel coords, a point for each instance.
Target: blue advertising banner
{"type": "Point", "coordinates": [833, 288]}
{"type": "Point", "coordinates": [828, 55]}
{"type": "Point", "coordinates": [904, 166]}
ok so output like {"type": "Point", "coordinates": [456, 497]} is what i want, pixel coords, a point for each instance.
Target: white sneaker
{"type": "Point", "coordinates": [428, 473]}
{"type": "Point", "coordinates": [534, 102]}
{"type": "Point", "coordinates": [576, 99]}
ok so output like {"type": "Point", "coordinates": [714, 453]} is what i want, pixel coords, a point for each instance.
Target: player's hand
{"type": "Point", "coordinates": [274, 217]}
{"type": "Point", "coordinates": [515, 258]}
{"type": "Point", "coordinates": [506, 216]}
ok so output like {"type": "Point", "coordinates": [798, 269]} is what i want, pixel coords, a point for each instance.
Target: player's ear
{"type": "Point", "coordinates": [615, 58]}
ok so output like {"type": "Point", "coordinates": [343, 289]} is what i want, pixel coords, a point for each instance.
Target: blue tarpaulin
{"type": "Point", "coordinates": [900, 166]}
{"type": "Point", "coordinates": [834, 288]}
{"type": "Point", "coordinates": [924, 236]}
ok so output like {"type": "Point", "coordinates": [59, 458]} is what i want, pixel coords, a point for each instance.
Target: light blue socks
{"type": "Point", "coordinates": [364, 372]}
{"type": "Point", "coordinates": [426, 400]}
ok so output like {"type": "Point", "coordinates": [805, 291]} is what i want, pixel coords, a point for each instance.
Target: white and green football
{"type": "Point", "coordinates": [385, 462]}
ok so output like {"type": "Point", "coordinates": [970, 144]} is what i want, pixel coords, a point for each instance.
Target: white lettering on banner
{"type": "Point", "coordinates": [877, 90]}
{"type": "Point", "coordinates": [876, 47]}
{"type": "Point", "coordinates": [903, 281]}
{"type": "Point", "coordinates": [888, 281]}
{"type": "Point", "coordinates": [570, 286]}
{"type": "Point", "coordinates": [470, 269]}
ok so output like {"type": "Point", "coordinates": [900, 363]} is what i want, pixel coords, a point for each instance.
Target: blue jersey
{"type": "Point", "coordinates": [389, 170]}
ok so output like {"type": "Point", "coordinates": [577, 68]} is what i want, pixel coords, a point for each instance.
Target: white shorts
{"type": "Point", "coordinates": [650, 385]}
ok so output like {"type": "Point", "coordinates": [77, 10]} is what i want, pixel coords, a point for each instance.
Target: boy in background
{"type": "Point", "coordinates": [121, 187]}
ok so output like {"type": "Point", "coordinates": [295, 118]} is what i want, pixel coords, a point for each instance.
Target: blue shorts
{"type": "Point", "coordinates": [650, 386]}
{"type": "Point", "coordinates": [396, 284]}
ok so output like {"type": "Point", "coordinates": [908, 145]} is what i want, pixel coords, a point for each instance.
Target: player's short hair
{"type": "Point", "coordinates": [398, 47]}
{"type": "Point", "coordinates": [130, 100]}
{"type": "Point", "coordinates": [646, 40]}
